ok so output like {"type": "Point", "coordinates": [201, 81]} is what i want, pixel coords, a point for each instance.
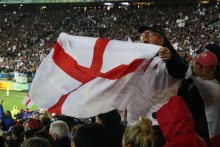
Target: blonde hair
{"type": "Point", "coordinates": [140, 134]}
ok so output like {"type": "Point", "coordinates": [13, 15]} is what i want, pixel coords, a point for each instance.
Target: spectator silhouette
{"type": "Point", "coordinates": [111, 121]}
{"type": "Point", "coordinates": [91, 135]}
{"type": "Point", "coordinates": [60, 131]}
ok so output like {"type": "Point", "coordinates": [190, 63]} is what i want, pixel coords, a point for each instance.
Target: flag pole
{"type": "Point", "coordinates": [7, 91]}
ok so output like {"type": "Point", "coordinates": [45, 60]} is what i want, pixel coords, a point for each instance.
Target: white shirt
{"type": "Point", "coordinates": [152, 92]}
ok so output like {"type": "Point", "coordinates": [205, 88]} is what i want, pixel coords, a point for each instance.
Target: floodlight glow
{"type": "Point", "coordinates": [108, 4]}
{"type": "Point", "coordinates": [125, 3]}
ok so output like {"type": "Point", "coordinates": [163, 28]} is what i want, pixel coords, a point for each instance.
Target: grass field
{"type": "Point", "coordinates": [14, 98]}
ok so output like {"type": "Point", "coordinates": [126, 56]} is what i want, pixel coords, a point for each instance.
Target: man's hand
{"type": "Point", "coordinates": [164, 53]}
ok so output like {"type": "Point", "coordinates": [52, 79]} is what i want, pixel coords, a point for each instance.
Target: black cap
{"type": "Point", "coordinates": [155, 29]}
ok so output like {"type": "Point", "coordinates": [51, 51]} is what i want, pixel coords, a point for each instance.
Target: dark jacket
{"type": "Point", "coordinates": [176, 66]}
{"type": "Point", "coordinates": [111, 121]}
{"type": "Point", "coordinates": [6, 121]}
{"type": "Point", "coordinates": [13, 143]}
{"type": "Point", "coordinates": [63, 142]}
{"type": "Point", "coordinates": [194, 101]}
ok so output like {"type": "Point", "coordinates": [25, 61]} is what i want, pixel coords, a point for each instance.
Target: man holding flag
{"type": "Point", "coordinates": [83, 76]}
{"type": "Point", "coordinates": [158, 83]}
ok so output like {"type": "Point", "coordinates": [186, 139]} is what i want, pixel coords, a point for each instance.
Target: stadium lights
{"type": "Point", "coordinates": [204, 2]}
{"type": "Point", "coordinates": [108, 4]}
{"type": "Point", "coordinates": [125, 3]}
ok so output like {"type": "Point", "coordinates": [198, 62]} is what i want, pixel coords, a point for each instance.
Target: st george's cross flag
{"type": "Point", "coordinates": [27, 102]}
{"type": "Point", "coordinates": [84, 76]}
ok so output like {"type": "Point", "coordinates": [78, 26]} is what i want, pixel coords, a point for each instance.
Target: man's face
{"type": "Point", "coordinates": [151, 37]}
{"type": "Point", "coordinates": [201, 71]}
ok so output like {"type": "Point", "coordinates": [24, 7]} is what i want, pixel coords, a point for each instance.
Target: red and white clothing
{"type": "Point", "coordinates": [177, 125]}
{"type": "Point", "coordinates": [152, 92]}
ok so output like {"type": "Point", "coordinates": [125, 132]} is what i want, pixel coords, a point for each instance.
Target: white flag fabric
{"type": "Point", "coordinates": [27, 101]}
{"type": "Point", "coordinates": [84, 76]}
{"type": "Point", "coordinates": [210, 91]}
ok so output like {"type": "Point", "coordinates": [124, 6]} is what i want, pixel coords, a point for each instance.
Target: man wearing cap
{"type": "Point", "coordinates": [160, 81]}
{"type": "Point", "coordinates": [201, 71]}
{"type": "Point", "coordinates": [214, 48]}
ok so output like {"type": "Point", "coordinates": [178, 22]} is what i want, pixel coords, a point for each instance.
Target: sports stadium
{"type": "Point", "coordinates": [33, 31]}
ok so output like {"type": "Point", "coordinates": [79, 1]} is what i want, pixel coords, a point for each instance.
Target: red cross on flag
{"type": "Point", "coordinates": [84, 76]}
{"type": "Point", "coordinates": [27, 101]}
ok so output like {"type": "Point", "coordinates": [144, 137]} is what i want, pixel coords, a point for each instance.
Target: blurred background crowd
{"type": "Point", "coordinates": [27, 35]}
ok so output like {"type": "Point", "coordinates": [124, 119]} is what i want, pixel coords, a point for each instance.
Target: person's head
{"type": "Point", "coordinates": [70, 121]}
{"type": "Point", "coordinates": [33, 123]}
{"type": "Point", "coordinates": [205, 64]}
{"type": "Point", "coordinates": [16, 131]}
{"type": "Point", "coordinates": [152, 35]}
{"type": "Point", "coordinates": [36, 142]}
{"type": "Point", "coordinates": [111, 117]}
{"type": "Point", "coordinates": [139, 135]}
{"type": "Point", "coordinates": [8, 113]}
{"type": "Point", "coordinates": [111, 121]}
{"type": "Point", "coordinates": [90, 135]}
{"type": "Point", "coordinates": [20, 111]}
{"type": "Point", "coordinates": [45, 135]}
{"type": "Point", "coordinates": [212, 48]}
{"type": "Point", "coordinates": [27, 134]}
{"type": "Point", "coordinates": [59, 129]}
{"type": "Point", "coordinates": [45, 120]}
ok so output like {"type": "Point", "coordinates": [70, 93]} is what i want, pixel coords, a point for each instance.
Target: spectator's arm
{"type": "Point", "coordinates": [176, 66]}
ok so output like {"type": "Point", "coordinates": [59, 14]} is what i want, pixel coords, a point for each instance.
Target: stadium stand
{"type": "Point", "coordinates": [27, 33]}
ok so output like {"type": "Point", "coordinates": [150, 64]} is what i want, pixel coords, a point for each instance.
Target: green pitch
{"type": "Point", "coordinates": [14, 98]}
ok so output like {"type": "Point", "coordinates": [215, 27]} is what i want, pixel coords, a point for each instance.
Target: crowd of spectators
{"type": "Point", "coordinates": [44, 129]}
{"type": "Point", "coordinates": [27, 36]}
